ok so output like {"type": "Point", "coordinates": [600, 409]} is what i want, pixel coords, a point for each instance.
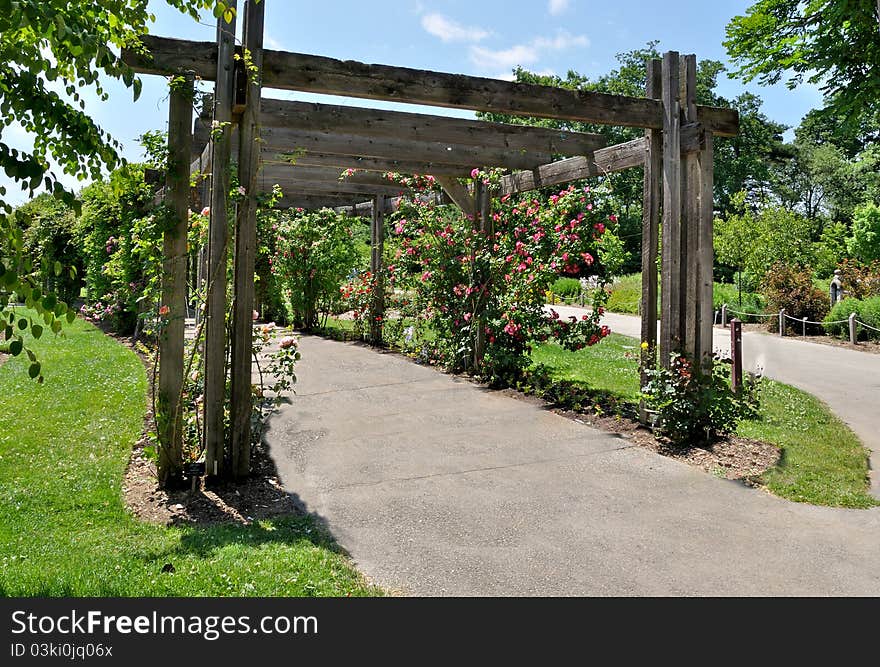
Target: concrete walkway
{"type": "Point", "coordinates": [847, 380]}
{"type": "Point", "coordinates": [438, 487]}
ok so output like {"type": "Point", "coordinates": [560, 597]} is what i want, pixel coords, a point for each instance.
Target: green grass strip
{"type": "Point", "coordinates": [64, 446]}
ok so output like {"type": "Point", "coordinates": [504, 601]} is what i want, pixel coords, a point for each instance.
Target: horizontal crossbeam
{"type": "Point", "coordinates": [329, 76]}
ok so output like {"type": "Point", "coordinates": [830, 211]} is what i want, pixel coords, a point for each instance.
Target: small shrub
{"type": "Point", "coordinates": [860, 280]}
{"type": "Point", "coordinates": [792, 288]}
{"type": "Point", "coordinates": [696, 405]}
{"type": "Point", "coordinates": [568, 289]}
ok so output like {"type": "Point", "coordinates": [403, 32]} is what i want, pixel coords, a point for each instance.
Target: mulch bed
{"type": "Point", "coordinates": [261, 496]}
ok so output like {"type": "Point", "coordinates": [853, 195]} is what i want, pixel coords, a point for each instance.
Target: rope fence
{"type": "Point", "coordinates": [803, 321]}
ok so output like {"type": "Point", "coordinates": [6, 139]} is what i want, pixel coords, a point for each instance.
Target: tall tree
{"type": "Point", "coordinates": [834, 44]}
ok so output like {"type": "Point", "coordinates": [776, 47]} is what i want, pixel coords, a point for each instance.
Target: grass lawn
{"type": "Point", "coordinates": [823, 462]}
{"type": "Point", "coordinates": [64, 447]}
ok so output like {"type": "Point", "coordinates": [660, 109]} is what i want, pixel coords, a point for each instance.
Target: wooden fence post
{"type": "Point", "coordinates": [215, 294]}
{"type": "Point", "coordinates": [670, 279]}
{"type": "Point", "coordinates": [377, 247]}
{"type": "Point", "coordinates": [245, 245]}
{"type": "Point", "coordinates": [173, 305]}
{"type": "Point", "coordinates": [650, 235]}
{"type": "Point", "coordinates": [852, 328]}
{"type": "Point", "coordinates": [705, 258]}
{"type": "Point", "coordinates": [736, 354]}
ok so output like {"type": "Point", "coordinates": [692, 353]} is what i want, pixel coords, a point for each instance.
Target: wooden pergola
{"type": "Point", "coordinates": [303, 147]}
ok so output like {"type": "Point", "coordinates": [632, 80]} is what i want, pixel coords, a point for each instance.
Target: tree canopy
{"type": "Point", "coordinates": [834, 44]}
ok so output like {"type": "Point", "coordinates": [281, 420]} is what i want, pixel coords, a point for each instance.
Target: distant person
{"type": "Point", "coordinates": [836, 289]}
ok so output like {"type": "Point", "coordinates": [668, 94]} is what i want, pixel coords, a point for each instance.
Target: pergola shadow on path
{"type": "Point", "coordinates": [303, 147]}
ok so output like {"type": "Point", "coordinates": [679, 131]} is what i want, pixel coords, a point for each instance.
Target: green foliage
{"type": "Point", "coordinates": [792, 288]}
{"type": "Point", "coordinates": [865, 241]}
{"type": "Point", "coordinates": [314, 254]}
{"type": "Point", "coordinates": [867, 311]}
{"type": "Point", "coordinates": [751, 242]}
{"type": "Point", "coordinates": [859, 280]}
{"type": "Point", "coordinates": [120, 236]}
{"type": "Point", "coordinates": [567, 288]}
{"type": "Point", "coordinates": [49, 227]}
{"type": "Point", "coordinates": [695, 404]}
{"type": "Point", "coordinates": [742, 301]}
{"type": "Point", "coordinates": [829, 43]}
{"type": "Point", "coordinates": [626, 294]}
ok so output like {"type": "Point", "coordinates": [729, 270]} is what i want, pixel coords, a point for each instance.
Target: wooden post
{"type": "Point", "coordinates": [215, 294]}
{"type": "Point", "coordinates": [484, 224]}
{"type": "Point", "coordinates": [173, 305]}
{"type": "Point", "coordinates": [782, 322]}
{"type": "Point", "coordinates": [377, 246]}
{"type": "Point", "coordinates": [670, 280]}
{"type": "Point", "coordinates": [736, 354]}
{"type": "Point", "coordinates": [650, 235]}
{"type": "Point", "coordinates": [690, 217]}
{"type": "Point", "coordinates": [852, 326]}
{"type": "Point", "coordinates": [706, 250]}
{"type": "Point", "coordinates": [245, 246]}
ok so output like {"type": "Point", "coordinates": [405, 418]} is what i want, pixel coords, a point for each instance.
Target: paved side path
{"type": "Point", "coordinates": [438, 487]}
{"type": "Point", "coordinates": [847, 380]}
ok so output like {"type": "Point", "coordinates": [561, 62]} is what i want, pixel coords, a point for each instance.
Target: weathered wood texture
{"type": "Point", "coordinates": [329, 174]}
{"type": "Point", "coordinates": [603, 161]}
{"type": "Point", "coordinates": [670, 284]}
{"type": "Point", "coordinates": [318, 74]}
{"type": "Point", "coordinates": [173, 303]}
{"type": "Point", "coordinates": [459, 194]}
{"type": "Point", "coordinates": [294, 142]}
{"type": "Point", "coordinates": [340, 162]}
{"type": "Point", "coordinates": [377, 247]}
{"type": "Point", "coordinates": [241, 402]}
{"type": "Point", "coordinates": [706, 257]}
{"type": "Point", "coordinates": [218, 246]}
{"type": "Point", "coordinates": [378, 123]}
{"type": "Point", "coordinates": [690, 213]}
{"type": "Point", "coordinates": [650, 234]}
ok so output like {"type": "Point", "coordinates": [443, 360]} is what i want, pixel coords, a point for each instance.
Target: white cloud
{"type": "Point", "coordinates": [524, 54]}
{"type": "Point", "coordinates": [556, 7]}
{"type": "Point", "coordinates": [520, 54]}
{"type": "Point", "coordinates": [563, 40]}
{"type": "Point", "coordinates": [450, 31]}
{"type": "Point", "coordinates": [273, 43]}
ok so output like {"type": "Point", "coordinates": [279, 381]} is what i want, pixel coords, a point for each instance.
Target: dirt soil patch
{"type": "Point", "coordinates": [259, 497]}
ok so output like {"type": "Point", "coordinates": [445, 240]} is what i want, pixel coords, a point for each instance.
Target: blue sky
{"type": "Point", "coordinates": [485, 38]}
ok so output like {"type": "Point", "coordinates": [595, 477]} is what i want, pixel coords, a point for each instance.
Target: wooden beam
{"type": "Point", "coordinates": [340, 162]}
{"type": "Point", "coordinates": [650, 235]}
{"type": "Point", "coordinates": [378, 123]}
{"type": "Point", "coordinates": [670, 287]}
{"type": "Point", "coordinates": [318, 74]}
{"type": "Point", "coordinates": [329, 174]}
{"type": "Point", "coordinates": [293, 141]}
{"type": "Point", "coordinates": [173, 302]}
{"type": "Point", "coordinates": [459, 194]}
{"type": "Point", "coordinates": [318, 201]}
{"type": "Point", "coordinates": [293, 186]}
{"type": "Point", "coordinates": [218, 247]}
{"type": "Point", "coordinates": [241, 404]}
